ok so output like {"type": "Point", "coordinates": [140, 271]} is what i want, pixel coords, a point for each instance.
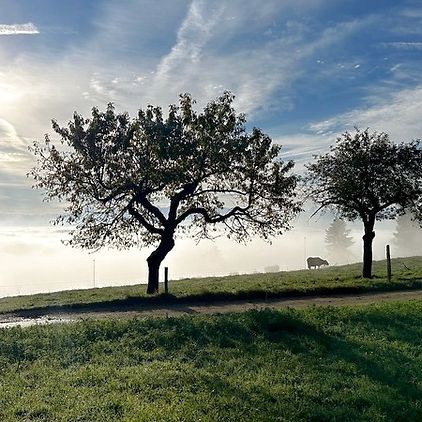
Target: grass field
{"type": "Point", "coordinates": [349, 364]}
{"type": "Point", "coordinates": [407, 273]}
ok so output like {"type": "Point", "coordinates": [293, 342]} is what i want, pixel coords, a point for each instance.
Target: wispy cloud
{"type": "Point", "coordinates": [301, 147]}
{"type": "Point", "coordinates": [14, 157]}
{"type": "Point", "coordinates": [412, 13]}
{"type": "Point", "coordinates": [403, 45]}
{"type": "Point", "coordinates": [19, 29]}
{"type": "Point", "coordinates": [193, 34]}
{"type": "Point", "coordinates": [397, 113]}
{"type": "Point", "coordinates": [199, 63]}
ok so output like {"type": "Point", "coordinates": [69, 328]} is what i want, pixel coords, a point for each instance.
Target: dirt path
{"type": "Point", "coordinates": [9, 320]}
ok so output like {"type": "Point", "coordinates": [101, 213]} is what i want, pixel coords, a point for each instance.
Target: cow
{"type": "Point", "coordinates": [316, 262]}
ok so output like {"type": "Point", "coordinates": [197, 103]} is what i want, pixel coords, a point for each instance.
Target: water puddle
{"type": "Point", "coordinates": [27, 322]}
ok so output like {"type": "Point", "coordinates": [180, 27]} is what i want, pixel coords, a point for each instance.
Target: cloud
{"type": "Point", "coordinates": [203, 63]}
{"type": "Point", "coordinates": [301, 147]}
{"type": "Point", "coordinates": [148, 53]}
{"type": "Point", "coordinates": [14, 154]}
{"type": "Point", "coordinates": [195, 31]}
{"type": "Point", "coordinates": [413, 13]}
{"type": "Point", "coordinates": [196, 55]}
{"type": "Point", "coordinates": [18, 202]}
{"type": "Point", "coordinates": [19, 29]}
{"type": "Point", "coordinates": [403, 45]}
{"type": "Point", "coordinates": [396, 113]}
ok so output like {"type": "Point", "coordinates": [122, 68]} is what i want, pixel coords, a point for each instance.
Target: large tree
{"type": "Point", "coordinates": [135, 182]}
{"type": "Point", "coordinates": [365, 175]}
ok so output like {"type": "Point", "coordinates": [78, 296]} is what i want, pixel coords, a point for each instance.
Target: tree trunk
{"type": "Point", "coordinates": [155, 260]}
{"type": "Point", "coordinates": [368, 237]}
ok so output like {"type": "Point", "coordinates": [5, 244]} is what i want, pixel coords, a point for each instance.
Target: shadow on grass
{"type": "Point", "coordinates": [328, 351]}
{"type": "Point", "coordinates": [390, 372]}
{"type": "Point", "coordinates": [183, 302]}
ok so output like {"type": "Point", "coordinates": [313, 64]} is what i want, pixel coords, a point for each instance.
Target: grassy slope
{"type": "Point", "coordinates": [360, 363]}
{"type": "Point", "coordinates": [407, 273]}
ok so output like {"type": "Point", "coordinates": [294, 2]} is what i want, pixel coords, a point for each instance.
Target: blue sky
{"type": "Point", "coordinates": [302, 70]}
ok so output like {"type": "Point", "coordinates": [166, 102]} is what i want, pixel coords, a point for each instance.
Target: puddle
{"type": "Point", "coordinates": [27, 322]}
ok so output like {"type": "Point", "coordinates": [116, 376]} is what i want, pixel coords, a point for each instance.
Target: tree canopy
{"type": "Point", "coordinates": [142, 181]}
{"type": "Point", "coordinates": [366, 176]}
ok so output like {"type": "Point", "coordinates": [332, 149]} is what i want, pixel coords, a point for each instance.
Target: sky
{"type": "Point", "coordinates": [304, 71]}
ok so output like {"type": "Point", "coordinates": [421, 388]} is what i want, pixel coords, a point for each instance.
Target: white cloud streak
{"type": "Point", "coordinates": [201, 61]}
{"type": "Point", "coordinates": [252, 72]}
{"type": "Point", "coordinates": [397, 114]}
{"type": "Point", "coordinates": [412, 13]}
{"type": "Point", "coordinates": [403, 45]}
{"type": "Point", "coordinates": [15, 159]}
{"type": "Point", "coordinates": [19, 29]}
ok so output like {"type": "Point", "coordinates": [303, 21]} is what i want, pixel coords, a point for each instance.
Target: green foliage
{"type": "Point", "coordinates": [142, 181]}
{"type": "Point", "coordinates": [407, 273]}
{"type": "Point", "coordinates": [369, 177]}
{"type": "Point", "coordinates": [366, 173]}
{"type": "Point", "coordinates": [134, 181]}
{"type": "Point", "coordinates": [359, 363]}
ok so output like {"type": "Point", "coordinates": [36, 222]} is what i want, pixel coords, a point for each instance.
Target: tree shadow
{"type": "Point", "coordinates": [288, 332]}
{"type": "Point", "coordinates": [320, 338]}
{"type": "Point", "coordinates": [145, 303]}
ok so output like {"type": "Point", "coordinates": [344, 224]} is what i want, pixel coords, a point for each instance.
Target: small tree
{"type": "Point", "coordinates": [338, 240]}
{"type": "Point", "coordinates": [142, 181]}
{"type": "Point", "coordinates": [408, 236]}
{"type": "Point", "coordinates": [367, 176]}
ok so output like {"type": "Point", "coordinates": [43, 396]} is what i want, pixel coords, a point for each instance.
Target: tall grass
{"type": "Point", "coordinates": [351, 364]}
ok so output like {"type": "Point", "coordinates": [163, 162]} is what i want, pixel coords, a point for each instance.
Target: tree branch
{"type": "Point", "coordinates": [175, 200]}
{"type": "Point", "coordinates": [142, 199]}
{"type": "Point", "coordinates": [208, 219]}
{"type": "Point", "coordinates": [139, 217]}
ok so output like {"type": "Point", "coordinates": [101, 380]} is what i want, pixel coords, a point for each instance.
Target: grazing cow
{"type": "Point", "coordinates": [316, 262]}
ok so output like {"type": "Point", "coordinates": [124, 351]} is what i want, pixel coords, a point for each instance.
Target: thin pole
{"type": "Point", "coordinates": [388, 263]}
{"type": "Point", "coordinates": [93, 271]}
{"type": "Point", "coordinates": [304, 252]}
{"type": "Point", "coordinates": [166, 279]}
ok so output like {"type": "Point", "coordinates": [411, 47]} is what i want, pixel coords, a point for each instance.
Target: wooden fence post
{"type": "Point", "coordinates": [166, 279]}
{"type": "Point", "coordinates": [388, 263]}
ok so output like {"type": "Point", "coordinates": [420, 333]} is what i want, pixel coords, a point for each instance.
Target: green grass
{"type": "Point", "coordinates": [349, 364]}
{"type": "Point", "coordinates": [407, 273]}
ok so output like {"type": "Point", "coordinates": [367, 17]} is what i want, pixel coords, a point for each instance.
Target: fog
{"type": "Point", "coordinates": [35, 260]}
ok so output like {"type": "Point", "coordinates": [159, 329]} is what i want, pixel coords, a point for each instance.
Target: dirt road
{"type": "Point", "coordinates": [29, 317]}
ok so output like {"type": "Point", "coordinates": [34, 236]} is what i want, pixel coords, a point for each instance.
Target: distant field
{"type": "Point", "coordinates": [407, 273]}
{"type": "Point", "coordinates": [349, 364]}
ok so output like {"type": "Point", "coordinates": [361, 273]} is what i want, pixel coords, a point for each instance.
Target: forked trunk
{"type": "Point", "coordinates": [368, 237]}
{"type": "Point", "coordinates": [154, 262]}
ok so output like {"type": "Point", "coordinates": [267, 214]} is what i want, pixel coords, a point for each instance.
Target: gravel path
{"type": "Point", "coordinates": [10, 320]}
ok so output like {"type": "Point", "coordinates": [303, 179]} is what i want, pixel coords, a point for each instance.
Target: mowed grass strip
{"type": "Point", "coordinates": [349, 364]}
{"type": "Point", "coordinates": [407, 273]}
